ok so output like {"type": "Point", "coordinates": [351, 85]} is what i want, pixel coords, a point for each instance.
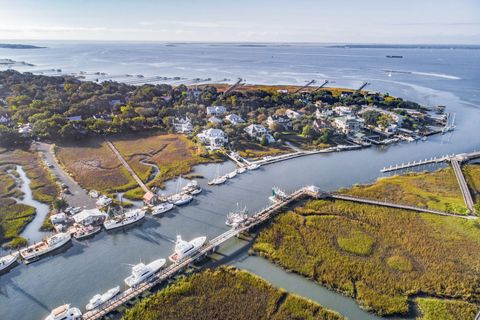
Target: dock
{"type": "Point", "coordinates": [416, 163]}
{"type": "Point", "coordinates": [467, 196]}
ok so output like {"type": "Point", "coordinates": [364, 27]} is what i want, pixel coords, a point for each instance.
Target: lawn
{"type": "Point", "coordinates": [437, 190]}
{"type": "Point", "coordinates": [381, 257]}
{"type": "Point", "coordinates": [251, 150]}
{"type": "Point", "coordinates": [226, 293]}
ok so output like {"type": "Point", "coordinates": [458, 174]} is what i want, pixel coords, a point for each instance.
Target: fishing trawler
{"type": "Point", "coordinates": [35, 251]}
{"type": "Point", "coordinates": [81, 232]}
{"type": "Point", "coordinates": [7, 262]}
{"type": "Point", "coordinates": [277, 195]}
{"type": "Point", "coordinates": [192, 188]}
{"type": "Point", "coordinates": [185, 249]}
{"type": "Point", "coordinates": [65, 312]}
{"type": "Point", "coordinates": [236, 217]}
{"type": "Point", "coordinates": [124, 219]}
{"type": "Point", "coordinates": [162, 208]}
{"type": "Point", "coordinates": [141, 272]}
{"type": "Point", "coordinates": [99, 299]}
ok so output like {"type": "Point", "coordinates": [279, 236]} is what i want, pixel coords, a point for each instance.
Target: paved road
{"type": "Point", "coordinates": [78, 196]}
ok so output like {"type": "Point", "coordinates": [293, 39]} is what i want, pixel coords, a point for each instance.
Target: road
{"type": "Point", "coordinates": [78, 197]}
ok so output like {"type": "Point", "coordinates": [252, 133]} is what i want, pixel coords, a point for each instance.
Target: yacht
{"type": "Point", "coordinates": [236, 217]}
{"type": "Point", "coordinates": [185, 249]}
{"type": "Point", "coordinates": [141, 272]}
{"type": "Point", "coordinates": [65, 312]}
{"type": "Point", "coordinates": [180, 199]}
{"type": "Point", "coordinates": [50, 244]}
{"type": "Point", "coordinates": [124, 219]}
{"type": "Point", "coordinates": [241, 170]}
{"type": "Point", "coordinates": [217, 181]}
{"type": "Point", "coordinates": [100, 299]}
{"type": "Point", "coordinates": [231, 174]}
{"type": "Point", "coordinates": [7, 262]}
{"type": "Point", "coordinates": [162, 208]}
{"type": "Point", "coordinates": [192, 188]}
{"type": "Point", "coordinates": [253, 166]}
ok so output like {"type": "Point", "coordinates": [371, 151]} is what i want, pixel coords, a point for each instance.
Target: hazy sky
{"type": "Point", "coordinates": [373, 21]}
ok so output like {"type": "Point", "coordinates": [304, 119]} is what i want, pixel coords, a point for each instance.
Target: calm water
{"type": "Point", "coordinates": [448, 77]}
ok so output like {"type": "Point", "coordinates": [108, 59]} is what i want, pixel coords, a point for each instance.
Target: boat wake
{"type": "Point", "coordinates": [427, 74]}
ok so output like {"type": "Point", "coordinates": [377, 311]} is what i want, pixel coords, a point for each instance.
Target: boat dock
{"type": "Point", "coordinates": [467, 196]}
{"type": "Point", "coordinates": [418, 163]}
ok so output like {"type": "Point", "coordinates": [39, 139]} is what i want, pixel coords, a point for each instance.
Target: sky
{"type": "Point", "coordinates": [332, 21]}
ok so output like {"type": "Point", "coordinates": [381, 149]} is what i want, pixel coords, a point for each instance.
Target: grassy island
{"type": "Point", "coordinates": [226, 293]}
{"type": "Point", "coordinates": [381, 257]}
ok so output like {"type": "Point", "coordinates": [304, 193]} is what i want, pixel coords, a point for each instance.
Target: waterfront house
{"type": "Point", "coordinates": [257, 131]}
{"type": "Point", "coordinates": [324, 113]}
{"type": "Point", "coordinates": [214, 138]}
{"type": "Point", "coordinates": [292, 114]}
{"type": "Point", "coordinates": [348, 124]}
{"type": "Point", "coordinates": [89, 216]}
{"type": "Point", "coordinates": [343, 111]}
{"type": "Point", "coordinates": [284, 121]}
{"type": "Point", "coordinates": [150, 198]}
{"type": "Point", "coordinates": [216, 110]}
{"type": "Point", "coordinates": [183, 125]}
{"type": "Point", "coordinates": [234, 119]}
{"type": "Point", "coordinates": [215, 120]}
{"type": "Point", "coordinates": [319, 124]}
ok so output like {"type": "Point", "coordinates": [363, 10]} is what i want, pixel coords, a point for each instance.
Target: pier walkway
{"type": "Point", "coordinates": [467, 196]}
{"type": "Point", "coordinates": [127, 166]}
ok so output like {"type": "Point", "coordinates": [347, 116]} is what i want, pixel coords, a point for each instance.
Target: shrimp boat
{"type": "Point", "coordinates": [124, 219]}
{"type": "Point", "coordinates": [184, 249]}
{"type": "Point", "coordinates": [50, 244]}
{"type": "Point", "coordinates": [236, 217]}
{"type": "Point", "coordinates": [83, 232]}
{"type": "Point", "coordinates": [7, 262]}
{"type": "Point", "coordinates": [99, 299]}
{"type": "Point", "coordinates": [65, 312]}
{"type": "Point", "coordinates": [142, 272]}
{"type": "Point", "coordinates": [277, 195]}
{"type": "Point", "coordinates": [192, 188]}
{"type": "Point", "coordinates": [162, 208]}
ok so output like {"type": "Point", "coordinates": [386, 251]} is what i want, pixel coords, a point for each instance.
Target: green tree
{"type": "Point", "coordinates": [263, 140]}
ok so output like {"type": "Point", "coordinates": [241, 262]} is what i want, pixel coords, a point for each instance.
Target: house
{"type": "Point", "coordinates": [58, 218]}
{"type": "Point", "coordinates": [234, 119]}
{"type": "Point", "coordinates": [319, 124]}
{"type": "Point", "coordinates": [343, 111]}
{"type": "Point", "coordinates": [103, 201]}
{"type": "Point", "coordinates": [216, 110]}
{"type": "Point", "coordinates": [284, 121]}
{"type": "Point", "coordinates": [183, 125]}
{"type": "Point", "coordinates": [324, 114]}
{"type": "Point", "coordinates": [257, 131]}
{"type": "Point", "coordinates": [150, 198]}
{"type": "Point", "coordinates": [292, 114]}
{"type": "Point", "coordinates": [25, 130]}
{"type": "Point", "coordinates": [215, 120]}
{"type": "Point", "coordinates": [348, 124]}
{"type": "Point", "coordinates": [214, 138]}
{"type": "Point", "coordinates": [89, 216]}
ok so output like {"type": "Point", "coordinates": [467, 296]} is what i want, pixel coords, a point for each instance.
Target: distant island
{"type": "Point", "coordinates": [19, 46]}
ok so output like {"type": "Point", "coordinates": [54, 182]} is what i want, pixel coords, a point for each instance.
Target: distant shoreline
{"type": "Point", "coordinates": [19, 46]}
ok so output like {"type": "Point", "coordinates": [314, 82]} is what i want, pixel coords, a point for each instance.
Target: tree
{"type": "Point", "coordinates": [308, 131]}
{"type": "Point", "coordinates": [263, 140]}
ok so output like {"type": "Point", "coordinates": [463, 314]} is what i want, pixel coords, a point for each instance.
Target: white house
{"type": "Point", "coordinates": [89, 216]}
{"type": "Point", "coordinates": [215, 120]}
{"type": "Point", "coordinates": [284, 121]}
{"type": "Point", "coordinates": [324, 114]}
{"type": "Point", "coordinates": [343, 111]}
{"type": "Point", "coordinates": [257, 131]}
{"type": "Point", "coordinates": [234, 119]}
{"type": "Point", "coordinates": [348, 124]}
{"type": "Point", "coordinates": [292, 114]}
{"type": "Point", "coordinates": [183, 125]}
{"type": "Point", "coordinates": [214, 138]}
{"type": "Point", "coordinates": [216, 110]}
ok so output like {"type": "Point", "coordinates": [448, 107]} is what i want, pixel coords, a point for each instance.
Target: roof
{"type": "Point", "coordinates": [148, 196]}
{"type": "Point", "coordinates": [87, 213]}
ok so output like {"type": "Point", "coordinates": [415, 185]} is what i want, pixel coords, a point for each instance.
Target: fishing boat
{"type": "Point", "coordinates": [232, 174]}
{"type": "Point", "coordinates": [241, 170]}
{"type": "Point", "coordinates": [277, 195]}
{"type": "Point", "coordinates": [185, 249]}
{"type": "Point", "coordinates": [124, 219]}
{"type": "Point", "coordinates": [162, 208]}
{"type": "Point", "coordinates": [85, 232]}
{"type": "Point", "coordinates": [141, 272]}
{"type": "Point", "coordinates": [217, 181]}
{"type": "Point", "coordinates": [236, 217]}
{"type": "Point", "coordinates": [180, 199]}
{"type": "Point", "coordinates": [50, 244]}
{"type": "Point", "coordinates": [8, 262]}
{"type": "Point", "coordinates": [253, 166]}
{"type": "Point", "coordinates": [99, 299]}
{"type": "Point", "coordinates": [65, 312]}
{"type": "Point", "coordinates": [192, 188]}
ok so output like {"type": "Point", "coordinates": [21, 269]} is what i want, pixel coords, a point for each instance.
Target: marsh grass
{"type": "Point", "coordinates": [436, 309]}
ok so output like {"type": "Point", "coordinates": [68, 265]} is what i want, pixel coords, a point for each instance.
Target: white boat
{"type": "Point", "coordinates": [141, 272]}
{"type": "Point", "coordinates": [100, 299]}
{"type": "Point", "coordinates": [195, 191]}
{"type": "Point", "coordinates": [253, 166]}
{"type": "Point", "coordinates": [236, 217]}
{"type": "Point", "coordinates": [241, 170]}
{"type": "Point", "coordinates": [125, 219]}
{"type": "Point", "coordinates": [277, 195]}
{"type": "Point", "coordinates": [218, 180]}
{"type": "Point", "coordinates": [180, 199]}
{"type": "Point", "coordinates": [192, 188]}
{"type": "Point", "coordinates": [50, 244]}
{"type": "Point", "coordinates": [83, 232]}
{"type": "Point", "coordinates": [8, 261]}
{"type": "Point", "coordinates": [162, 208]}
{"type": "Point", "coordinates": [231, 175]}
{"type": "Point", "coordinates": [185, 249]}
{"type": "Point", "coordinates": [65, 312]}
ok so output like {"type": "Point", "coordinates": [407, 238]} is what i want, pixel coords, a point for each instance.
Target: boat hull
{"type": "Point", "coordinates": [35, 256]}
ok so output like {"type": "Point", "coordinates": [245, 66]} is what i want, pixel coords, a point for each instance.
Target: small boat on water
{"type": "Point", "coordinates": [253, 166]}
{"type": "Point", "coordinates": [192, 188]}
{"type": "Point", "coordinates": [85, 232]}
{"type": "Point", "coordinates": [65, 312]}
{"type": "Point", "coordinates": [184, 249]}
{"type": "Point", "coordinates": [124, 219]}
{"type": "Point", "coordinates": [162, 208]}
{"type": "Point", "coordinates": [180, 199]}
{"type": "Point", "coordinates": [236, 217]}
{"type": "Point", "coordinates": [48, 245]}
{"type": "Point", "coordinates": [217, 181]}
{"type": "Point", "coordinates": [100, 299]}
{"type": "Point", "coordinates": [232, 174]}
{"type": "Point", "coordinates": [141, 272]}
{"type": "Point", "coordinates": [241, 170]}
{"type": "Point", "coordinates": [277, 195]}
{"type": "Point", "coordinates": [7, 262]}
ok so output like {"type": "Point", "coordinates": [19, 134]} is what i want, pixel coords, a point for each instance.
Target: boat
{"type": "Point", "coordinates": [393, 56]}
{"type": "Point", "coordinates": [185, 249]}
{"type": "Point", "coordinates": [236, 217]}
{"type": "Point", "coordinates": [65, 312]}
{"type": "Point", "coordinates": [100, 299]}
{"type": "Point", "coordinates": [277, 195]}
{"type": "Point", "coordinates": [180, 199]}
{"type": "Point", "coordinates": [253, 166]}
{"type": "Point", "coordinates": [124, 219]}
{"type": "Point", "coordinates": [217, 181]}
{"type": "Point", "coordinates": [196, 191]}
{"type": "Point", "coordinates": [192, 188]}
{"type": "Point", "coordinates": [84, 232]}
{"type": "Point", "coordinates": [232, 174]}
{"type": "Point", "coordinates": [241, 170]}
{"type": "Point", "coordinates": [7, 262]}
{"type": "Point", "coordinates": [162, 208]}
{"type": "Point", "coordinates": [141, 272]}
{"type": "Point", "coordinates": [48, 245]}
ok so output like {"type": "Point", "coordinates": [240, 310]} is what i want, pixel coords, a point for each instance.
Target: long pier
{"type": "Point", "coordinates": [467, 196]}
{"type": "Point", "coordinates": [233, 87]}
{"type": "Point", "coordinates": [418, 163]}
